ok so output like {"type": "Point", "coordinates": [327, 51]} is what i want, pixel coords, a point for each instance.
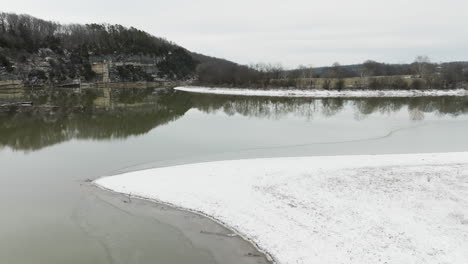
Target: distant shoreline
{"type": "Point", "coordinates": [317, 93]}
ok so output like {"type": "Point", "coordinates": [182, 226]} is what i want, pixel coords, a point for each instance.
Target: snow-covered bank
{"type": "Point", "coordinates": [323, 93]}
{"type": "Point", "coordinates": [410, 208]}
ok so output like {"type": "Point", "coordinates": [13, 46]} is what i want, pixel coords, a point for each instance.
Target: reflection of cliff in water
{"type": "Point", "coordinates": [277, 108]}
{"type": "Point", "coordinates": [128, 113]}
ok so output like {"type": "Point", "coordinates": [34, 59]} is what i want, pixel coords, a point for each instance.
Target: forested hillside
{"type": "Point", "coordinates": [38, 51]}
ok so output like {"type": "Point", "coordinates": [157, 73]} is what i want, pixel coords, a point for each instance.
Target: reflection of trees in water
{"type": "Point", "coordinates": [331, 106]}
{"type": "Point", "coordinates": [277, 108]}
{"type": "Point", "coordinates": [378, 105]}
{"type": "Point", "coordinates": [417, 106]}
{"type": "Point", "coordinates": [32, 131]}
{"type": "Point", "coordinates": [262, 107]}
{"type": "Point", "coordinates": [132, 95]}
{"type": "Point", "coordinates": [145, 109]}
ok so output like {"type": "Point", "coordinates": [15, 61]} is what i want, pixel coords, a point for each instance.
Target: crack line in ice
{"type": "Point", "coordinates": [389, 134]}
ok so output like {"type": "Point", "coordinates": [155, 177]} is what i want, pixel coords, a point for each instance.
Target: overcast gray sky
{"type": "Point", "coordinates": [293, 32]}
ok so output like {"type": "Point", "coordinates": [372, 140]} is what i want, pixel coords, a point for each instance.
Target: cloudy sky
{"type": "Point", "coordinates": [293, 32]}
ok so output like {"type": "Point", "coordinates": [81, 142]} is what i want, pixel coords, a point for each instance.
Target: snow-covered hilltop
{"type": "Point", "coordinates": [410, 208]}
{"type": "Point", "coordinates": [323, 93]}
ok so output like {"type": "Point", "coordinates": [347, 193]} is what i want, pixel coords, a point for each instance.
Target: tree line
{"type": "Point", "coordinates": [421, 74]}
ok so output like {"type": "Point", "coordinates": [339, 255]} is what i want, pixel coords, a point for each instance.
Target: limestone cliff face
{"type": "Point", "coordinates": [126, 68]}
{"type": "Point", "coordinates": [47, 67]}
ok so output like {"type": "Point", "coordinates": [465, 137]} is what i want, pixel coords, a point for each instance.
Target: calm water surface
{"type": "Point", "coordinates": [51, 214]}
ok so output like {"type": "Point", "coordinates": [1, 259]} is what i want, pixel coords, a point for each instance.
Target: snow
{"type": "Point", "coordinates": [410, 208]}
{"type": "Point", "coordinates": [324, 93]}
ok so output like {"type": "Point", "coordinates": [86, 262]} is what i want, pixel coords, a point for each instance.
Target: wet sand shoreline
{"type": "Point", "coordinates": [226, 245]}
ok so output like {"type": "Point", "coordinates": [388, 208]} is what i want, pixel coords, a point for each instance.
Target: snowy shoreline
{"type": "Point", "coordinates": [344, 209]}
{"type": "Point", "coordinates": [322, 93]}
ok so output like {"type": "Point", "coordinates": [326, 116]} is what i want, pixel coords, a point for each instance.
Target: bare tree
{"type": "Point", "coordinates": [305, 75]}
{"type": "Point", "coordinates": [276, 70]}
{"type": "Point", "coordinates": [423, 66]}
